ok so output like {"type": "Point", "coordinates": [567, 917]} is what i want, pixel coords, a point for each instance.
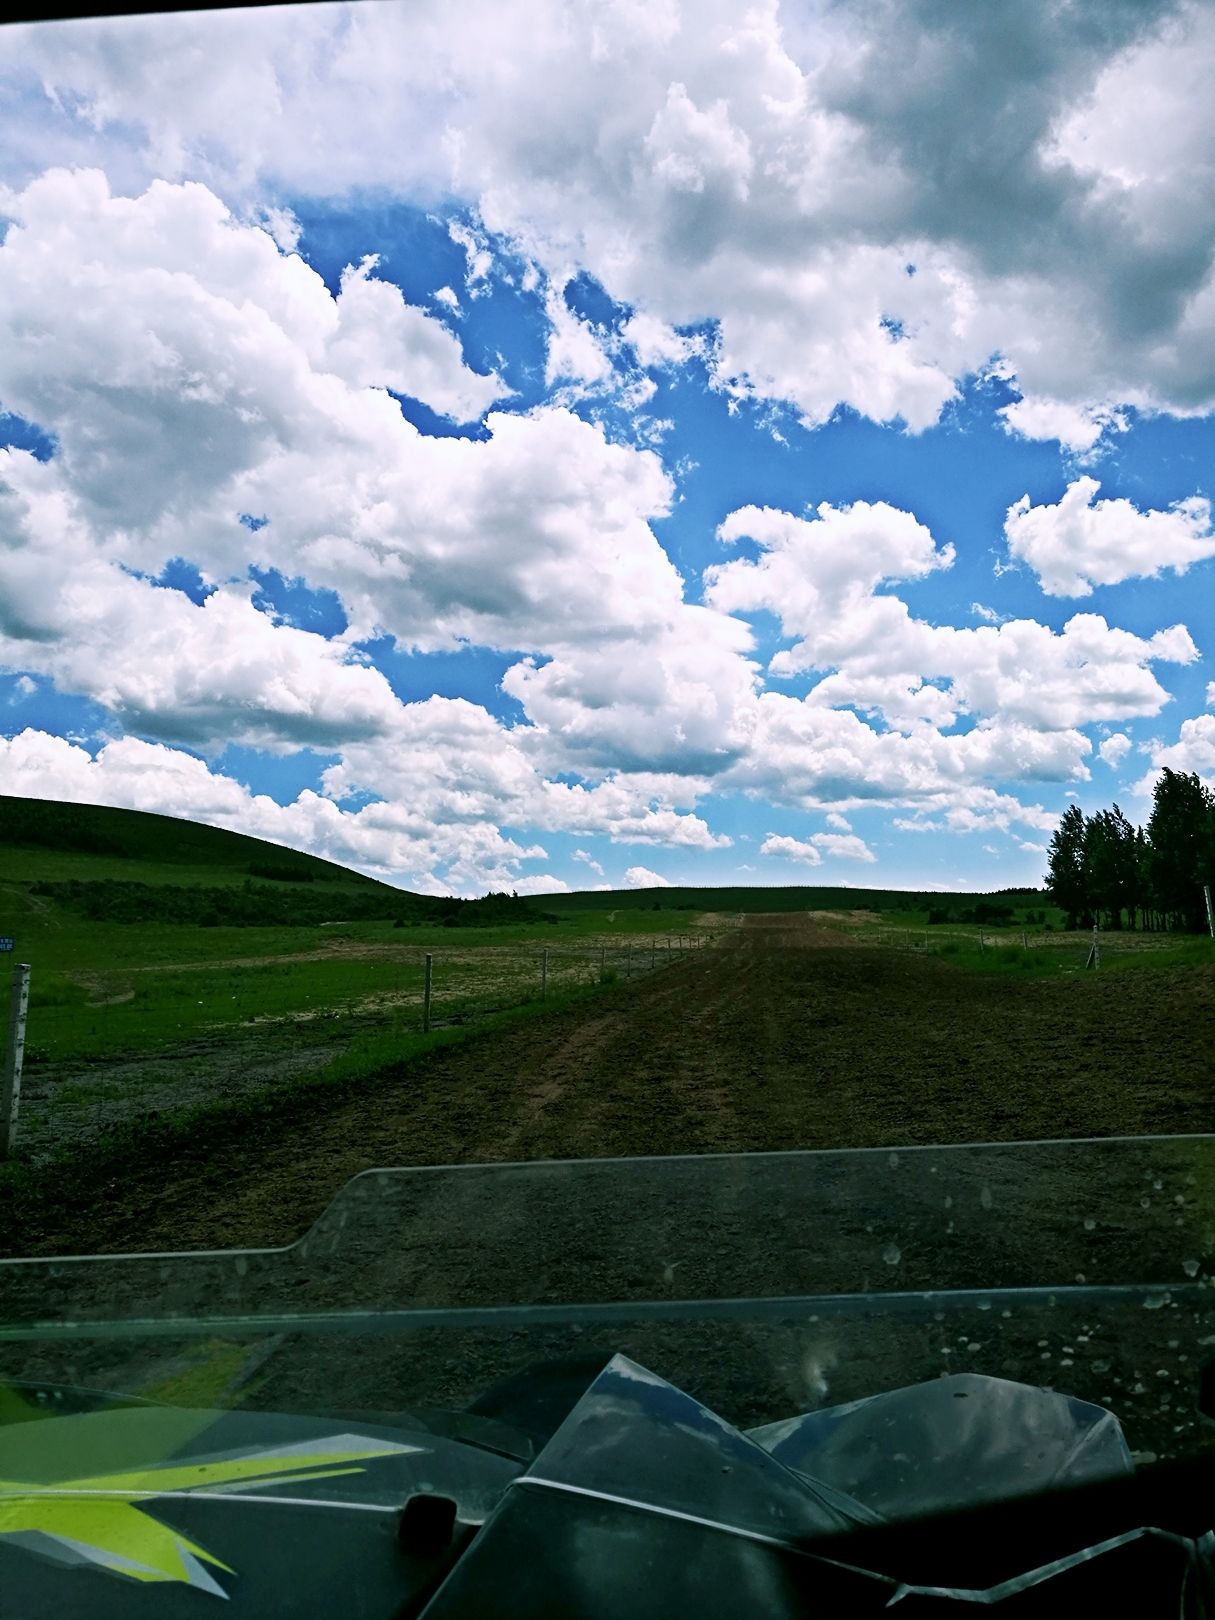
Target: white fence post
{"type": "Point", "coordinates": [10, 1096]}
{"type": "Point", "coordinates": [426, 995]}
{"type": "Point", "coordinates": [1206, 895]}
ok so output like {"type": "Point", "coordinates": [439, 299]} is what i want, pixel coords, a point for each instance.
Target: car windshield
{"type": "Point", "coordinates": [763, 1284]}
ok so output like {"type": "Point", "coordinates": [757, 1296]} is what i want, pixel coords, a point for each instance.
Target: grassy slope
{"type": "Point", "coordinates": [102, 988]}
{"type": "Point", "coordinates": [45, 840]}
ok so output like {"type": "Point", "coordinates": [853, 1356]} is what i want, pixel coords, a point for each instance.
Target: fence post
{"type": "Point", "coordinates": [602, 962]}
{"type": "Point", "coordinates": [10, 1096]}
{"type": "Point", "coordinates": [544, 977]}
{"type": "Point", "coordinates": [628, 962]}
{"type": "Point", "coordinates": [1206, 895]}
{"type": "Point", "coordinates": [426, 994]}
{"type": "Point", "coordinates": [653, 955]}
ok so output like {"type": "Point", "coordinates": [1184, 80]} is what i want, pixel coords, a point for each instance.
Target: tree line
{"type": "Point", "coordinates": [263, 905]}
{"type": "Point", "coordinates": [1103, 870]}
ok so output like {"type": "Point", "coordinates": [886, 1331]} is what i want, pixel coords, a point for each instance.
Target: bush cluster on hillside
{"type": "Point", "coordinates": [1103, 869]}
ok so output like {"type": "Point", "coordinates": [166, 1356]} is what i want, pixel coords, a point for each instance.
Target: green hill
{"type": "Point", "coordinates": [104, 865]}
{"type": "Point", "coordinates": [43, 839]}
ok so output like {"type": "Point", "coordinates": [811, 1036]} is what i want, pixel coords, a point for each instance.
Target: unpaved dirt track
{"type": "Point", "coordinates": [782, 1037]}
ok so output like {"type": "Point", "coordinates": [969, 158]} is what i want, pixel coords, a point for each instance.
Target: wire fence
{"type": "Point", "coordinates": [1065, 943]}
{"type": "Point", "coordinates": [104, 1046]}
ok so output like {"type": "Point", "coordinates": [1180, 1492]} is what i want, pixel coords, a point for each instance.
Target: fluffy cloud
{"type": "Point", "coordinates": [791, 849]}
{"type": "Point", "coordinates": [184, 342]}
{"type": "Point", "coordinates": [640, 877]}
{"type": "Point", "coordinates": [774, 170]}
{"type": "Point", "coordinates": [812, 758]}
{"type": "Point", "coordinates": [453, 763]}
{"type": "Point", "coordinates": [820, 577]}
{"type": "Point", "coordinates": [1081, 542]}
{"type": "Point", "coordinates": [1115, 749]}
{"type": "Point", "coordinates": [1194, 750]}
{"type": "Point", "coordinates": [206, 675]}
{"type": "Point", "coordinates": [176, 339]}
{"type": "Point", "coordinates": [842, 846]}
{"type": "Point", "coordinates": [1076, 427]}
{"type": "Point", "coordinates": [380, 341]}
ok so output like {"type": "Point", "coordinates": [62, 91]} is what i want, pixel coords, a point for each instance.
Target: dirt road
{"type": "Point", "coordinates": [782, 1037]}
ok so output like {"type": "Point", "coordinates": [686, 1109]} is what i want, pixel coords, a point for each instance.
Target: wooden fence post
{"type": "Point", "coordinates": [426, 988]}
{"type": "Point", "coordinates": [10, 1094]}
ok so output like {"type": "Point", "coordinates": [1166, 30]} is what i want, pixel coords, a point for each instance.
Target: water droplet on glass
{"type": "Point", "coordinates": [948, 1201]}
{"type": "Point", "coordinates": [893, 1161]}
{"type": "Point", "coordinates": [985, 1197]}
{"type": "Point", "coordinates": [1145, 1203]}
{"type": "Point", "coordinates": [1190, 1267]}
{"type": "Point", "coordinates": [1081, 1278]}
{"type": "Point", "coordinates": [1101, 1366]}
{"type": "Point", "coordinates": [1153, 1302]}
{"type": "Point", "coordinates": [892, 1254]}
{"type": "Point", "coordinates": [1089, 1223]}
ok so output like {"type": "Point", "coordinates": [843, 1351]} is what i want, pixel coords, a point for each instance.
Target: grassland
{"type": "Point", "coordinates": [133, 1015]}
{"type": "Point", "coordinates": [154, 1018]}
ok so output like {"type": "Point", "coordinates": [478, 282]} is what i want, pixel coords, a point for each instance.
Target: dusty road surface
{"type": "Point", "coordinates": [782, 1036]}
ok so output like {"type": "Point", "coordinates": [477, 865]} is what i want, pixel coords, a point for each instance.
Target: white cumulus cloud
{"type": "Point", "coordinates": [640, 877]}
{"type": "Point", "coordinates": [1081, 541]}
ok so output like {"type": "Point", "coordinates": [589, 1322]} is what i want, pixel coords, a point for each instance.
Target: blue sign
{"type": "Point", "coordinates": [7, 942]}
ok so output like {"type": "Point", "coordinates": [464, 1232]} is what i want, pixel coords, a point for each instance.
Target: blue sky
{"type": "Point", "coordinates": [652, 446]}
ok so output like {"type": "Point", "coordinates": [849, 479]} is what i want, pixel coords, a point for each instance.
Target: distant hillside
{"type": "Point", "coordinates": [798, 898]}
{"type": "Point", "coordinates": [130, 866]}
{"type": "Point", "coordinates": [43, 838]}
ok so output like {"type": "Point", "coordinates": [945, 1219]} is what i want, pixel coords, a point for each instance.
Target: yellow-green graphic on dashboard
{"type": "Point", "coordinates": [104, 1520]}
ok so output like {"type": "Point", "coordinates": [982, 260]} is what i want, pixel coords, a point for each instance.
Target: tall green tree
{"type": "Point", "coordinates": [1066, 870]}
{"type": "Point", "coordinates": [1111, 853]}
{"type": "Point", "coordinates": [1181, 836]}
